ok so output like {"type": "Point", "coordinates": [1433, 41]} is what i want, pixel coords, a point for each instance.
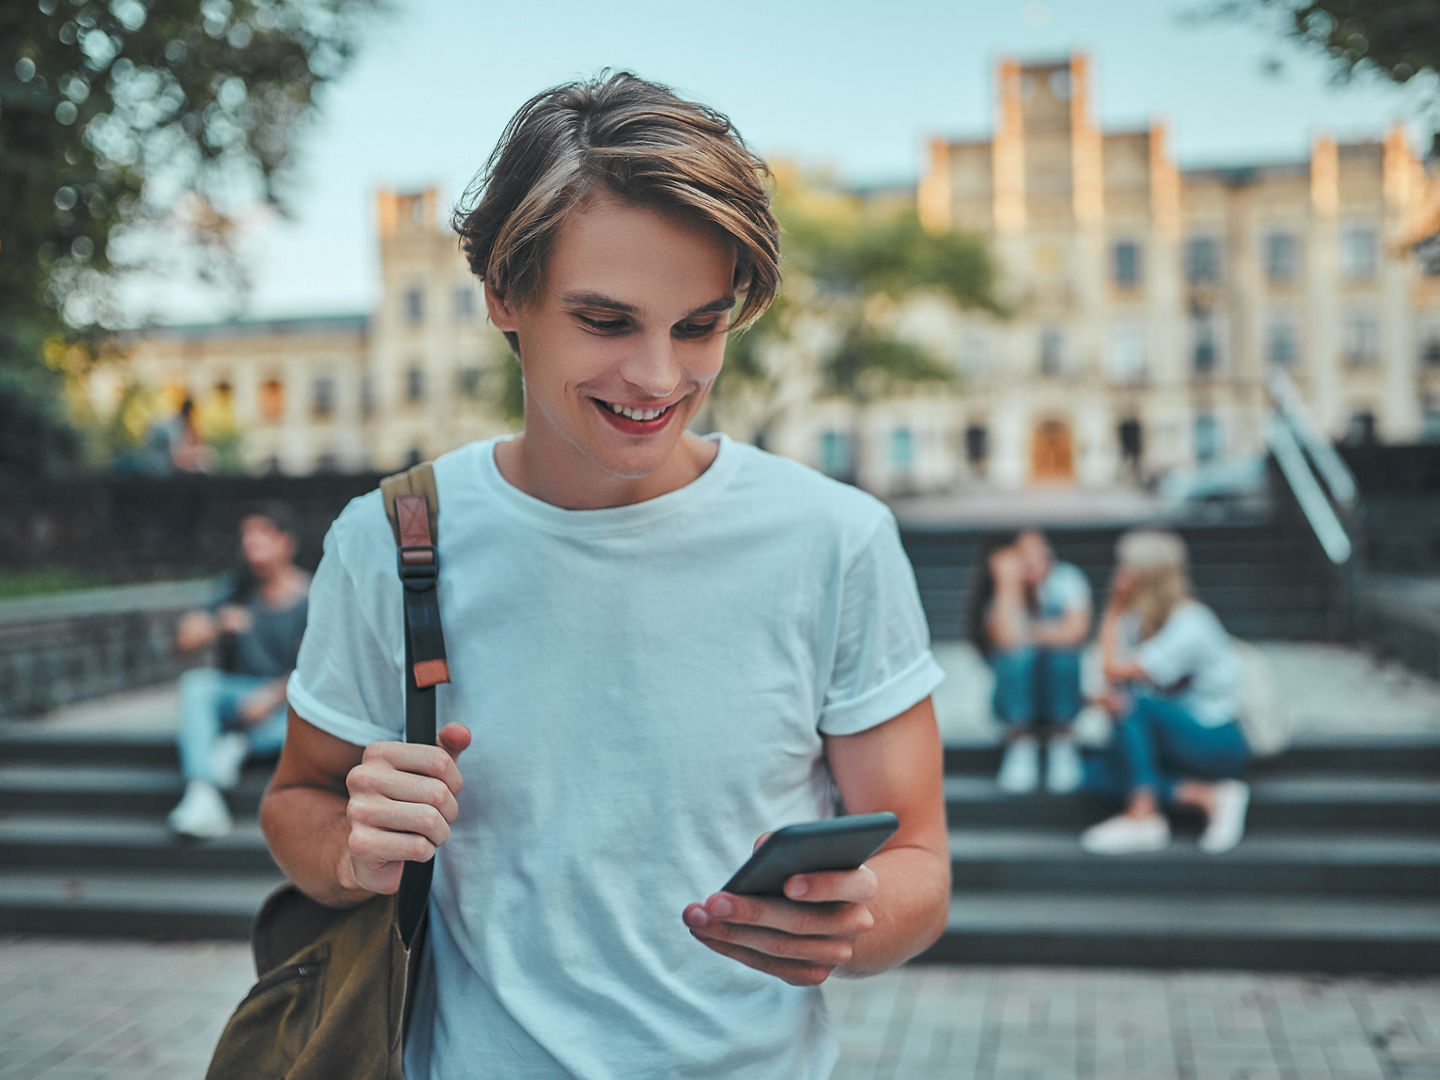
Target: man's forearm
{"type": "Point", "coordinates": [910, 911]}
{"type": "Point", "coordinates": [308, 836]}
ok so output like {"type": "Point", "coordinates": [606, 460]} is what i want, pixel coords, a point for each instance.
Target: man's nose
{"type": "Point", "coordinates": [652, 366]}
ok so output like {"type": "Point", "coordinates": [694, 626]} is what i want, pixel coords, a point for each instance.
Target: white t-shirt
{"type": "Point", "coordinates": [1192, 645]}
{"type": "Point", "coordinates": [647, 687]}
{"type": "Point", "coordinates": [1064, 589]}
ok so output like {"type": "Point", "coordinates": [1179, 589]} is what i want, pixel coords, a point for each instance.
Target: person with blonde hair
{"type": "Point", "coordinates": [662, 644]}
{"type": "Point", "coordinates": [1173, 688]}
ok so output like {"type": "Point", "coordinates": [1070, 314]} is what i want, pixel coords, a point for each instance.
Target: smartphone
{"type": "Point", "coordinates": [841, 843]}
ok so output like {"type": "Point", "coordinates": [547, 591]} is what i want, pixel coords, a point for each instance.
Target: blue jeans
{"type": "Point", "coordinates": [1157, 744]}
{"type": "Point", "coordinates": [208, 703]}
{"type": "Point", "coordinates": [1035, 685]}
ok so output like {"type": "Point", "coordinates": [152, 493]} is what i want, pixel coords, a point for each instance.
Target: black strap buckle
{"type": "Point", "coordinates": [418, 574]}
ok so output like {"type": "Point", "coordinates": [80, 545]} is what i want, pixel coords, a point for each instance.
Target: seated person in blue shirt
{"type": "Point", "coordinates": [1173, 678]}
{"type": "Point", "coordinates": [237, 707]}
{"type": "Point", "coordinates": [1030, 616]}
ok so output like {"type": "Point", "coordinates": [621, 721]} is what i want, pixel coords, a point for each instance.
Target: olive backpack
{"type": "Point", "coordinates": [334, 991]}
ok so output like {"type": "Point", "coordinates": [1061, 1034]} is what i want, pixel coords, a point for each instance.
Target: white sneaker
{"type": "Point", "coordinates": [1227, 823]}
{"type": "Point", "coordinates": [226, 757]}
{"type": "Point", "coordinates": [1063, 770]}
{"type": "Point", "coordinates": [1125, 835]}
{"type": "Point", "coordinates": [202, 813]}
{"type": "Point", "coordinates": [1020, 767]}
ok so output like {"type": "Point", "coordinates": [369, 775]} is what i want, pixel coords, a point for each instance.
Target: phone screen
{"type": "Point", "coordinates": [841, 843]}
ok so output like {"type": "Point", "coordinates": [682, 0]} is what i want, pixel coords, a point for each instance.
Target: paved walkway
{"type": "Point", "coordinates": [124, 1010]}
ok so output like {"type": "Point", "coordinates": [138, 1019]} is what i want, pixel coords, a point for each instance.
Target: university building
{"type": "Point", "coordinates": [1145, 303]}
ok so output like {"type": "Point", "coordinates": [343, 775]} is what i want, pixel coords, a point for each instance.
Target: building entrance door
{"type": "Point", "coordinates": [1052, 456]}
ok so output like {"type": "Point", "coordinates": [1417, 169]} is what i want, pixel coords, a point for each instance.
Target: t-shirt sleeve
{"type": "Point", "coordinates": [1075, 594]}
{"type": "Point", "coordinates": [346, 681]}
{"type": "Point", "coordinates": [1176, 649]}
{"type": "Point", "coordinates": [883, 663]}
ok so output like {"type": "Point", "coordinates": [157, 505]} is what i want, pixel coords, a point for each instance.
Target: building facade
{"type": "Point", "coordinates": [1145, 304]}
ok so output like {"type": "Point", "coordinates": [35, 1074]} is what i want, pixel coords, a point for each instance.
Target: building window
{"type": "Point", "coordinates": [1207, 438]}
{"type": "Point", "coordinates": [1361, 430]}
{"type": "Point", "coordinates": [464, 303]}
{"type": "Point", "coordinates": [836, 458]}
{"type": "Point", "coordinates": [322, 397]}
{"type": "Point", "coordinates": [902, 449]}
{"type": "Point", "coordinates": [1282, 257]}
{"type": "Point", "coordinates": [1131, 437]}
{"type": "Point", "coordinates": [414, 383]}
{"type": "Point", "coordinates": [1430, 345]}
{"type": "Point", "coordinates": [272, 400]}
{"type": "Point", "coordinates": [1202, 260]}
{"type": "Point", "coordinates": [1052, 359]}
{"type": "Point", "coordinates": [1127, 354]}
{"type": "Point", "coordinates": [1359, 251]}
{"type": "Point", "coordinates": [367, 396]}
{"type": "Point", "coordinates": [1362, 339]}
{"type": "Point", "coordinates": [1126, 264]}
{"type": "Point", "coordinates": [1203, 357]}
{"type": "Point", "coordinates": [414, 305]}
{"type": "Point", "coordinates": [1281, 346]}
{"type": "Point", "coordinates": [471, 380]}
{"type": "Point", "coordinates": [327, 462]}
{"type": "Point", "coordinates": [977, 444]}
{"type": "Point", "coordinates": [1430, 422]}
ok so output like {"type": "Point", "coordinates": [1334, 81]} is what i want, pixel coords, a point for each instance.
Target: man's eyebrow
{"type": "Point", "coordinates": [599, 300]}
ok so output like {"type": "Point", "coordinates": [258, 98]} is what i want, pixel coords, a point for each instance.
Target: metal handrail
{"type": "Point", "coordinates": [1328, 463]}
{"type": "Point", "coordinates": [1324, 522]}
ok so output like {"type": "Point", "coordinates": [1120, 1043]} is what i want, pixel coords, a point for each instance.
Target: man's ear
{"type": "Point", "coordinates": [502, 315]}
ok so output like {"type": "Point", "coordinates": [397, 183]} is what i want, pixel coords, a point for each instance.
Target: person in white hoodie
{"type": "Point", "coordinates": [1173, 684]}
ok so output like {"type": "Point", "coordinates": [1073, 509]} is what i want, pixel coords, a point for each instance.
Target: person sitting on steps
{"type": "Point", "coordinates": [1030, 615]}
{"type": "Point", "coordinates": [1173, 678]}
{"type": "Point", "coordinates": [238, 708]}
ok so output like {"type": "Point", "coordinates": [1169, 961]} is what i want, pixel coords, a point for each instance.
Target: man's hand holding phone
{"type": "Point", "coordinates": [401, 806]}
{"type": "Point", "coordinates": [803, 935]}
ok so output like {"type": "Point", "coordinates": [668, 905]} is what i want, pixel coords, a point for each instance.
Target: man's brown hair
{"type": "Point", "coordinates": [636, 139]}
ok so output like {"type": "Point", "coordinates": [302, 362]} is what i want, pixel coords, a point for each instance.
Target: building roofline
{"type": "Point", "coordinates": [346, 322]}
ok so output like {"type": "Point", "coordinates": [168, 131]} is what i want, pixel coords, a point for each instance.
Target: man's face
{"type": "Point", "coordinates": [623, 340]}
{"type": "Point", "coordinates": [1035, 556]}
{"type": "Point", "coordinates": [264, 546]}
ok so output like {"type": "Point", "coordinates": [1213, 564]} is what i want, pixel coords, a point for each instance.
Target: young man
{"type": "Point", "coordinates": [238, 708]}
{"type": "Point", "coordinates": [661, 645]}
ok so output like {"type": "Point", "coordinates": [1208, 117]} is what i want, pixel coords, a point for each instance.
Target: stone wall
{"type": "Point", "coordinates": [59, 649]}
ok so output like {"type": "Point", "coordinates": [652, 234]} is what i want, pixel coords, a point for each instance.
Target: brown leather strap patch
{"type": "Point", "coordinates": [431, 672]}
{"type": "Point", "coordinates": [414, 520]}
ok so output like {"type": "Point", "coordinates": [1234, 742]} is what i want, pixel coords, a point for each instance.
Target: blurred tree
{"type": "Point", "coordinates": [1398, 39]}
{"type": "Point", "coordinates": [848, 268]}
{"type": "Point", "coordinates": [118, 118]}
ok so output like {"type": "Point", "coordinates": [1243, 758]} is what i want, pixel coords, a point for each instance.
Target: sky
{"type": "Point", "coordinates": [854, 85]}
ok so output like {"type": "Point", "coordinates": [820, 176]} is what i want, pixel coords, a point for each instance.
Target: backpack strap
{"type": "Point", "coordinates": [412, 503]}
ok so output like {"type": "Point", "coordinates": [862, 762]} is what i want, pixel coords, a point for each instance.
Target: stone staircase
{"type": "Point", "coordinates": [1265, 578]}
{"type": "Point", "coordinates": [1340, 870]}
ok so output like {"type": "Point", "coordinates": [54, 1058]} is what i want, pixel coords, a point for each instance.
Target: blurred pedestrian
{"type": "Point", "coordinates": [1173, 689]}
{"type": "Point", "coordinates": [176, 445]}
{"type": "Point", "coordinates": [237, 708]}
{"type": "Point", "coordinates": [1030, 617]}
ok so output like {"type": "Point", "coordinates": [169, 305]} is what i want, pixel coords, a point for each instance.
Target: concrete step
{"type": "Point", "coordinates": [102, 789]}
{"type": "Point", "coordinates": [1403, 755]}
{"type": "Point", "coordinates": [1330, 865]}
{"type": "Point", "coordinates": [1401, 804]}
{"type": "Point", "coordinates": [1239, 932]}
{"type": "Point", "coordinates": [143, 903]}
{"type": "Point", "coordinates": [73, 840]}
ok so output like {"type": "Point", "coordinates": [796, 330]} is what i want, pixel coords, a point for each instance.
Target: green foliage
{"type": "Point", "coordinates": [1398, 39]}
{"type": "Point", "coordinates": [117, 117]}
{"type": "Point", "coordinates": [851, 260]}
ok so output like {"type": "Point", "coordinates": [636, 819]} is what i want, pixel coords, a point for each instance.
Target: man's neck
{"type": "Point", "coordinates": [279, 583]}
